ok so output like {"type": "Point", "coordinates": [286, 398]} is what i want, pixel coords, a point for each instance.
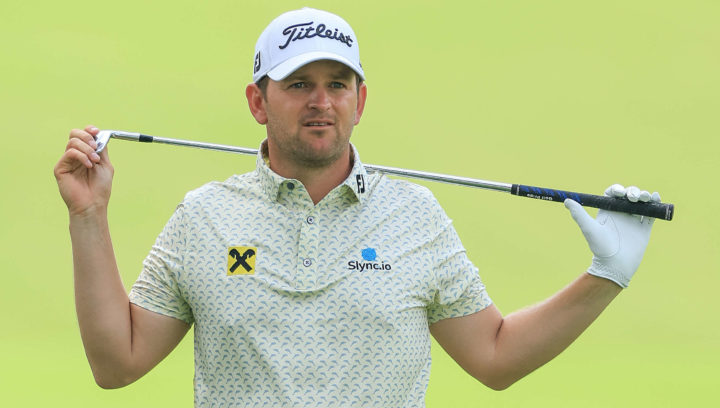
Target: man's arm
{"type": "Point", "coordinates": [122, 341]}
{"type": "Point", "coordinates": [499, 351]}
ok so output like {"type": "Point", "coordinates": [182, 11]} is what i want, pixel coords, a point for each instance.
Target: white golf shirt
{"type": "Point", "coordinates": [302, 305]}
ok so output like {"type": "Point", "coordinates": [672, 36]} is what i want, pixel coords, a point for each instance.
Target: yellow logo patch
{"type": "Point", "coordinates": [241, 260]}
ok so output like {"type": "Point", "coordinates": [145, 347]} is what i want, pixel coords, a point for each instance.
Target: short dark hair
{"type": "Point", "coordinates": [262, 83]}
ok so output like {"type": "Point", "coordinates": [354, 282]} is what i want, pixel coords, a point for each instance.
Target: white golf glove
{"type": "Point", "coordinates": [617, 240]}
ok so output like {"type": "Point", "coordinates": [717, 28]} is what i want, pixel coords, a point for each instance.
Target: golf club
{"type": "Point", "coordinates": [662, 211]}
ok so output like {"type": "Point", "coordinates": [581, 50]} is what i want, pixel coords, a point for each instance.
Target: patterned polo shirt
{"type": "Point", "coordinates": [303, 305]}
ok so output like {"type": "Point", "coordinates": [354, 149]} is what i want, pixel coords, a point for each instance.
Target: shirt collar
{"type": "Point", "coordinates": [357, 180]}
{"type": "Point", "coordinates": [273, 183]}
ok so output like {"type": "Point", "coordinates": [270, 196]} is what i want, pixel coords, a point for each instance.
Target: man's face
{"type": "Point", "coordinates": [311, 113]}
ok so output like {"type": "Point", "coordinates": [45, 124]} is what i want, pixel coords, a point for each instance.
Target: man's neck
{"type": "Point", "coordinates": [317, 181]}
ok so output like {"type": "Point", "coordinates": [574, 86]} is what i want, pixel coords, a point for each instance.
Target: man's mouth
{"type": "Point", "coordinates": [318, 123]}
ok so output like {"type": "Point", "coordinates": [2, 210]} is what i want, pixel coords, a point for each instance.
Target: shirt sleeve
{"type": "Point", "coordinates": [157, 288]}
{"type": "Point", "coordinates": [459, 290]}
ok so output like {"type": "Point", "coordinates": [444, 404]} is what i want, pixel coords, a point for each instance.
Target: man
{"type": "Point", "coordinates": [309, 281]}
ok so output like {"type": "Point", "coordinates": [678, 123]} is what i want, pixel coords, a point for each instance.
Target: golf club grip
{"type": "Point", "coordinates": [661, 211]}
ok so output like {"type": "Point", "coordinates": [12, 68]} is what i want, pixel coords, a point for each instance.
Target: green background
{"type": "Point", "coordinates": [564, 94]}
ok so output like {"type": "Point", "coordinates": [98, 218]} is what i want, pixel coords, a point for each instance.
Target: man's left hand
{"type": "Point", "coordinates": [617, 240]}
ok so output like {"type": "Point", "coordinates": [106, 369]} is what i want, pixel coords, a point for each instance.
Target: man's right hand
{"type": "Point", "coordinates": [84, 177]}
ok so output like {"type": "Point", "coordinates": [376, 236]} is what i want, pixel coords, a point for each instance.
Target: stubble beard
{"type": "Point", "coordinates": [302, 153]}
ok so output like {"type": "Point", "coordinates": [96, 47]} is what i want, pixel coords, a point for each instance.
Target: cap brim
{"type": "Point", "coordinates": [286, 68]}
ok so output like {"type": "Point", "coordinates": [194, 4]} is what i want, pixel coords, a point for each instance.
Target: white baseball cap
{"type": "Point", "coordinates": [299, 37]}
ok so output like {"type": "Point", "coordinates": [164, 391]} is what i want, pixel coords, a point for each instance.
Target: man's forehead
{"type": "Point", "coordinates": [332, 68]}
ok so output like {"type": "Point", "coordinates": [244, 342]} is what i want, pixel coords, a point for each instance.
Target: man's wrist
{"type": "Point", "coordinates": [601, 270]}
{"type": "Point", "coordinates": [87, 213]}
{"type": "Point", "coordinates": [90, 217]}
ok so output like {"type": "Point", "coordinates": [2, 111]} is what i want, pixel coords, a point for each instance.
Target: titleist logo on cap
{"type": "Point", "coordinates": [306, 30]}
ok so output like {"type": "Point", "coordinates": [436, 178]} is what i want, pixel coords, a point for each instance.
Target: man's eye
{"type": "Point", "coordinates": [337, 85]}
{"type": "Point", "coordinates": [298, 85]}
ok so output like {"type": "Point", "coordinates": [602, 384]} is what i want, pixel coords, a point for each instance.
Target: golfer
{"type": "Point", "coordinates": [310, 282]}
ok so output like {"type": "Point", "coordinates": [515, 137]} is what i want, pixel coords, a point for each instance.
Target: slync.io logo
{"type": "Point", "coordinates": [369, 255]}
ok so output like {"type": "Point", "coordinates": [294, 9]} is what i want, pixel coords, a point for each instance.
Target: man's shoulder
{"type": "Point", "coordinates": [403, 192]}
{"type": "Point", "coordinates": [233, 187]}
{"type": "Point", "coordinates": [399, 187]}
{"type": "Point", "coordinates": [406, 205]}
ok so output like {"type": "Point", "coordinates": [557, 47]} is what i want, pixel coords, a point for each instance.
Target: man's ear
{"type": "Point", "coordinates": [362, 97]}
{"type": "Point", "coordinates": [256, 103]}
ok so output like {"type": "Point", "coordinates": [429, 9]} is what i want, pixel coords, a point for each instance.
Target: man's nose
{"type": "Point", "coordinates": [320, 99]}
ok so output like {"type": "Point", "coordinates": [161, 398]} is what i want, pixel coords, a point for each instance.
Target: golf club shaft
{"type": "Point", "coordinates": [662, 211]}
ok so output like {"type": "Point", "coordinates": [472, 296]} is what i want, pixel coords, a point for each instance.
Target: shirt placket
{"type": "Point", "coordinates": [305, 215]}
{"type": "Point", "coordinates": [308, 250]}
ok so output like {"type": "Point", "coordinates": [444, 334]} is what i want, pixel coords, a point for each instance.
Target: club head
{"type": "Point", "coordinates": [102, 139]}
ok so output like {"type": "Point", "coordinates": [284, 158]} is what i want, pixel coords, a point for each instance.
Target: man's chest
{"type": "Point", "coordinates": [259, 263]}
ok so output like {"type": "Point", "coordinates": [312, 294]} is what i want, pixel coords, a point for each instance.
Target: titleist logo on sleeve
{"type": "Point", "coordinates": [306, 30]}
